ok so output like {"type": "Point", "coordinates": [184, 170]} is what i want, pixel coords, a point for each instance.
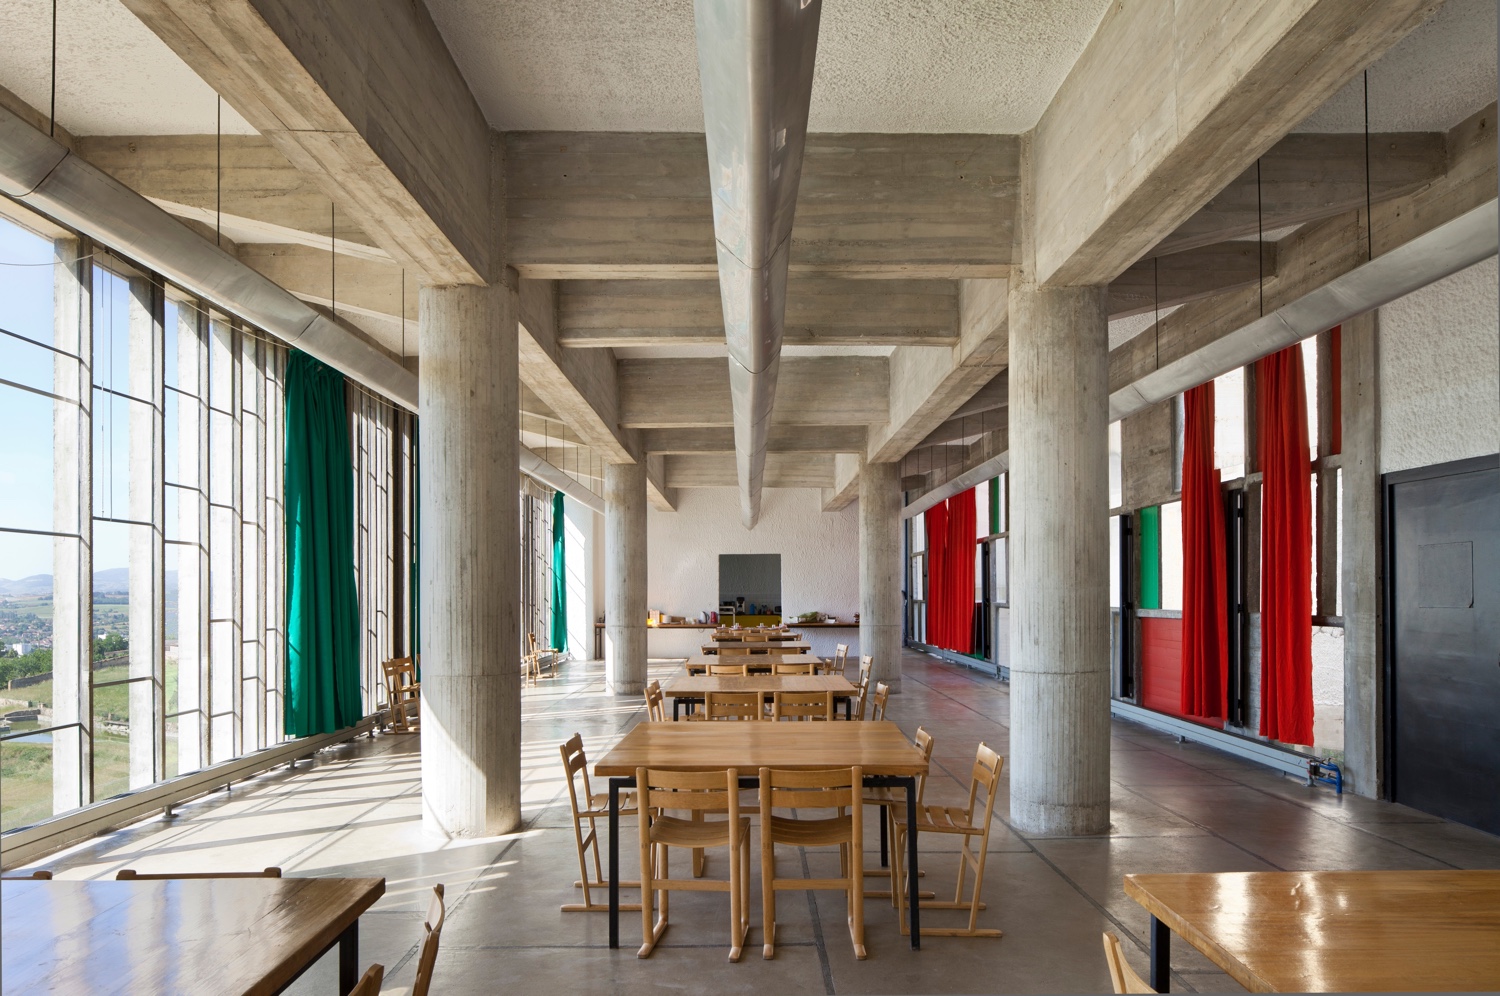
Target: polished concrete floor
{"type": "Point", "coordinates": [355, 811]}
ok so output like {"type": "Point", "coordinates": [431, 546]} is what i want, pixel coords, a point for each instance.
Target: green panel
{"type": "Point", "coordinates": [559, 575]}
{"type": "Point", "coordinates": [995, 505]}
{"type": "Point", "coordinates": [1150, 596]}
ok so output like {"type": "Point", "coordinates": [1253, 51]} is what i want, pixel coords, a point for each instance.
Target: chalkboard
{"type": "Point", "coordinates": [753, 577]}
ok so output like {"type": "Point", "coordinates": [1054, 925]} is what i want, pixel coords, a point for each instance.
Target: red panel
{"type": "Point", "coordinates": [1161, 665]}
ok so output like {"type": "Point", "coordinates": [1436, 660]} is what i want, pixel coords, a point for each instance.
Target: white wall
{"type": "Point", "coordinates": [819, 559]}
{"type": "Point", "coordinates": [581, 536]}
{"type": "Point", "coordinates": [1439, 364]}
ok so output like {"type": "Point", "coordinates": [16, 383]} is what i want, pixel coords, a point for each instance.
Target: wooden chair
{"type": "Point", "coordinates": [892, 803]}
{"type": "Point", "coordinates": [432, 929]}
{"type": "Point", "coordinates": [131, 875]}
{"type": "Point", "coordinates": [369, 983]}
{"type": "Point", "coordinates": [866, 667]}
{"type": "Point", "coordinates": [861, 695]}
{"type": "Point", "coordinates": [728, 670]}
{"type": "Point", "coordinates": [963, 822]}
{"type": "Point", "coordinates": [882, 697]}
{"type": "Point", "coordinates": [700, 793]}
{"type": "Point", "coordinates": [1121, 975]}
{"type": "Point", "coordinates": [735, 651]}
{"type": "Point", "coordinates": [403, 694]}
{"type": "Point", "coordinates": [757, 636]}
{"type": "Point", "coordinates": [732, 705]}
{"type": "Point", "coordinates": [787, 667]}
{"type": "Point", "coordinates": [802, 705]}
{"type": "Point", "coordinates": [594, 807]}
{"type": "Point", "coordinates": [40, 875]}
{"type": "Point", "coordinates": [656, 703]}
{"type": "Point", "coordinates": [836, 663]}
{"type": "Point", "coordinates": [839, 790]}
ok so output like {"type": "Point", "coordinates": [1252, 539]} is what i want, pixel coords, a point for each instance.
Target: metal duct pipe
{"type": "Point", "coordinates": [43, 174]}
{"type": "Point", "coordinates": [755, 62]}
{"type": "Point", "coordinates": [1453, 246]}
{"type": "Point", "coordinates": [532, 465]}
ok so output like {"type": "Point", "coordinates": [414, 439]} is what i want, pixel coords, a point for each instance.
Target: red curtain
{"type": "Point", "coordinates": [936, 521]}
{"type": "Point", "coordinates": [959, 595]}
{"type": "Point", "coordinates": [1286, 708]}
{"type": "Point", "coordinates": [1205, 647]}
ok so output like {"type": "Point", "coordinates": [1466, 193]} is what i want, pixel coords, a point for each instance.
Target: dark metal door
{"type": "Point", "coordinates": [1444, 548]}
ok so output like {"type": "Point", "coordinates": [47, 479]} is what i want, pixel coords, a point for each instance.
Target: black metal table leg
{"type": "Point", "coordinates": [675, 703]}
{"type": "Point", "coordinates": [349, 958]}
{"type": "Point", "coordinates": [885, 859]}
{"type": "Point", "coordinates": [848, 707]}
{"type": "Point", "coordinates": [1161, 956]}
{"type": "Point", "coordinates": [915, 895]}
{"type": "Point", "coordinates": [614, 860]}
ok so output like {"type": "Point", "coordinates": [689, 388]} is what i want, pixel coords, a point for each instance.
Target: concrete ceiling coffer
{"type": "Point", "coordinates": [755, 63]}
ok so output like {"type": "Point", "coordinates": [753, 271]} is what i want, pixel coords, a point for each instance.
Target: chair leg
{"type": "Point", "coordinates": [973, 906]}
{"type": "Point", "coordinates": [767, 892]}
{"type": "Point", "coordinates": [857, 907]}
{"type": "Point", "coordinates": [648, 899]}
{"type": "Point", "coordinates": [736, 937]}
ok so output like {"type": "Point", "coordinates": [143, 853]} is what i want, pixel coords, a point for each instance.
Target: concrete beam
{"type": "Point", "coordinates": [811, 391]}
{"type": "Point", "coordinates": [783, 439]}
{"type": "Point", "coordinates": [846, 470]}
{"type": "Point", "coordinates": [619, 205]}
{"type": "Point", "coordinates": [1197, 92]}
{"type": "Point", "coordinates": [362, 286]}
{"type": "Point", "coordinates": [820, 311]}
{"type": "Point", "coordinates": [717, 470]}
{"type": "Point", "coordinates": [1305, 178]}
{"type": "Point", "coordinates": [661, 495]}
{"type": "Point", "coordinates": [363, 96]}
{"type": "Point", "coordinates": [1165, 281]}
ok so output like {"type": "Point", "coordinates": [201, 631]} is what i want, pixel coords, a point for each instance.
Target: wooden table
{"type": "Point", "coordinates": [881, 749]}
{"type": "Point", "coordinates": [757, 647]}
{"type": "Point", "coordinates": [729, 636]}
{"type": "Point", "coordinates": [1331, 931]}
{"type": "Point", "coordinates": [693, 687]}
{"type": "Point", "coordinates": [242, 935]}
{"type": "Point", "coordinates": [698, 663]}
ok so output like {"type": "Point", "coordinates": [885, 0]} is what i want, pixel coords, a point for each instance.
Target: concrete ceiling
{"type": "Point", "coordinates": [883, 65]}
{"type": "Point", "coordinates": [1430, 81]}
{"type": "Point", "coordinates": [114, 77]}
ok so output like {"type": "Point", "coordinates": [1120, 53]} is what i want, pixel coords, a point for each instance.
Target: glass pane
{"type": "Point", "coordinates": [1171, 556]}
{"type": "Point", "coordinates": [1114, 561]}
{"type": "Point", "coordinates": [26, 774]}
{"type": "Point", "coordinates": [1338, 600]}
{"type": "Point", "coordinates": [1116, 492]}
{"type": "Point", "coordinates": [26, 275]}
{"type": "Point", "coordinates": [1004, 523]}
{"type": "Point", "coordinates": [116, 467]}
{"type": "Point", "coordinates": [1229, 424]}
{"type": "Point", "coordinates": [1001, 570]}
{"type": "Point", "coordinates": [981, 512]}
{"type": "Point", "coordinates": [169, 346]}
{"type": "Point", "coordinates": [979, 574]}
{"type": "Point", "coordinates": [26, 468]}
{"type": "Point", "coordinates": [26, 363]}
{"type": "Point", "coordinates": [918, 590]}
{"type": "Point", "coordinates": [918, 533]}
{"type": "Point", "coordinates": [112, 308]}
{"type": "Point", "coordinates": [1310, 382]}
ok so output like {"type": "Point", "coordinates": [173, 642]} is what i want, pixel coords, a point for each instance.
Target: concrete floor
{"type": "Point", "coordinates": [1177, 807]}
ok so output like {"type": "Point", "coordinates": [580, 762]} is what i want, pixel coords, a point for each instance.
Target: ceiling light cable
{"type": "Point", "coordinates": [219, 171]}
{"type": "Point", "coordinates": [1260, 245]}
{"type": "Point", "coordinates": [52, 112]}
{"type": "Point", "coordinates": [1369, 215]}
{"type": "Point", "coordinates": [333, 262]}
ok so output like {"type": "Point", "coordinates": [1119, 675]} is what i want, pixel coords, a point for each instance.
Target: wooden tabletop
{"type": "Point", "coordinates": [1336, 931]}
{"type": "Point", "coordinates": [762, 662]}
{"type": "Point", "coordinates": [186, 936]}
{"type": "Point", "coordinates": [880, 748]}
{"type": "Point", "coordinates": [725, 636]}
{"type": "Point", "coordinates": [698, 685]}
{"type": "Point", "coordinates": [768, 646]}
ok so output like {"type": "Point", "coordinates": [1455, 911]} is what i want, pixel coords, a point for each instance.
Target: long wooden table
{"type": "Point", "coordinates": [1331, 931]}
{"type": "Point", "coordinates": [693, 687]}
{"type": "Point", "coordinates": [244, 935]}
{"type": "Point", "coordinates": [698, 663]}
{"type": "Point", "coordinates": [756, 647]}
{"type": "Point", "coordinates": [731, 635]}
{"type": "Point", "coordinates": [881, 749]}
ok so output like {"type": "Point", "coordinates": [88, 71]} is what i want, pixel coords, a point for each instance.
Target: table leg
{"type": "Point", "coordinates": [349, 958]}
{"type": "Point", "coordinates": [885, 860]}
{"type": "Point", "coordinates": [614, 861]}
{"type": "Point", "coordinates": [675, 703]}
{"type": "Point", "coordinates": [914, 902]}
{"type": "Point", "coordinates": [1161, 956]}
{"type": "Point", "coordinates": [848, 707]}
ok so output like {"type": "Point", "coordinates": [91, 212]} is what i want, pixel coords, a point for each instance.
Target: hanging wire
{"type": "Point", "coordinates": [52, 111]}
{"type": "Point", "coordinates": [333, 262]}
{"type": "Point", "coordinates": [1156, 296]}
{"type": "Point", "coordinates": [1369, 216]}
{"type": "Point", "coordinates": [403, 315]}
{"type": "Point", "coordinates": [1260, 246]}
{"type": "Point", "coordinates": [219, 171]}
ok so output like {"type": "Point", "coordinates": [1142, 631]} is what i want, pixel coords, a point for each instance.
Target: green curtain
{"type": "Point", "coordinates": [559, 576]}
{"type": "Point", "coordinates": [1150, 595]}
{"type": "Point", "coordinates": [322, 603]}
{"type": "Point", "coordinates": [414, 586]}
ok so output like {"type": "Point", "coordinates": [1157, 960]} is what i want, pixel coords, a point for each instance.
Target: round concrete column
{"type": "Point", "coordinates": [625, 578]}
{"type": "Point", "coordinates": [1059, 542]}
{"type": "Point", "coordinates": [880, 569]}
{"type": "Point", "coordinates": [471, 669]}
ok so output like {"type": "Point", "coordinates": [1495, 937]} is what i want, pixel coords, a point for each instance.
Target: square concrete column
{"type": "Point", "coordinates": [1059, 538]}
{"type": "Point", "coordinates": [1363, 574]}
{"type": "Point", "coordinates": [625, 578]}
{"type": "Point", "coordinates": [880, 570]}
{"type": "Point", "coordinates": [470, 570]}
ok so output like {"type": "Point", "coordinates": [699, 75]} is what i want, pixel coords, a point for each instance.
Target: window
{"type": "Point", "coordinates": [1171, 556]}
{"type": "Point", "coordinates": [1116, 480]}
{"type": "Point", "coordinates": [1229, 424]}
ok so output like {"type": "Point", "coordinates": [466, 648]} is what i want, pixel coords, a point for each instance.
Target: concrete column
{"type": "Point", "coordinates": [880, 569]}
{"type": "Point", "coordinates": [625, 578]}
{"type": "Point", "coordinates": [470, 570]}
{"type": "Point", "coordinates": [1363, 577]}
{"type": "Point", "coordinates": [1059, 540]}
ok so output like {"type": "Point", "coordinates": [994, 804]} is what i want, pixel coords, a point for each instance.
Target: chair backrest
{"type": "Point", "coordinates": [41, 874]}
{"type": "Point", "coordinates": [735, 651]}
{"type": "Point", "coordinates": [985, 775]}
{"type": "Point", "coordinates": [575, 760]}
{"type": "Point", "coordinates": [882, 696]}
{"type": "Point", "coordinates": [693, 791]}
{"type": "Point", "coordinates": [400, 676]}
{"type": "Point", "coordinates": [923, 740]}
{"type": "Point", "coordinates": [861, 697]}
{"type": "Point", "coordinates": [531, 642]}
{"type": "Point", "coordinates": [437, 912]}
{"type": "Point", "coordinates": [829, 788]}
{"type": "Point", "coordinates": [1121, 975]}
{"type": "Point", "coordinates": [729, 670]}
{"type": "Point", "coordinates": [131, 875]}
{"type": "Point", "coordinates": [758, 636]}
{"type": "Point", "coordinates": [840, 658]}
{"type": "Point", "coordinates": [733, 705]}
{"type": "Point", "coordinates": [369, 983]}
{"type": "Point", "coordinates": [866, 666]}
{"type": "Point", "coordinates": [656, 703]}
{"type": "Point", "coordinates": [802, 705]}
{"type": "Point", "coordinates": [786, 667]}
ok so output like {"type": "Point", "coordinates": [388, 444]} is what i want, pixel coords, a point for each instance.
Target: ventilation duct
{"type": "Point", "coordinates": [533, 466]}
{"type": "Point", "coordinates": [755, 61]}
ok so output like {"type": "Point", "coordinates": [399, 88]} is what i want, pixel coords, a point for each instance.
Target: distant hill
{"type": "Point", "coordinates": [37, 584]}
{"type": "Point", "coordinates": [115, 581]}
